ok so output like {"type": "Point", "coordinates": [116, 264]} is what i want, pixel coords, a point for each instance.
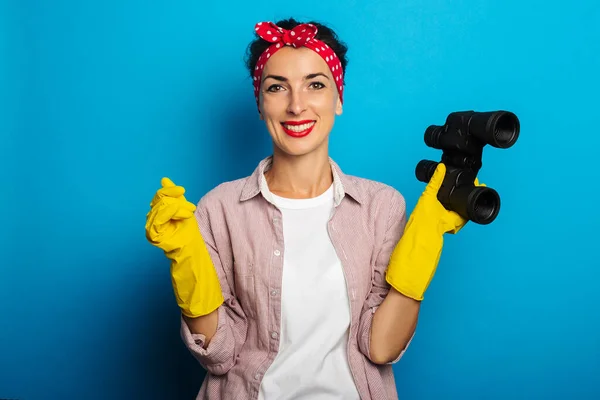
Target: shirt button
{"type": "Point", "coordinates": [274, 335]}
{"type": "Point", "coordinates": [277, 253]}
{"type": "Point", "coordinates": [274, 292]}
{"type": "Point", "coordinates": [257, 376]}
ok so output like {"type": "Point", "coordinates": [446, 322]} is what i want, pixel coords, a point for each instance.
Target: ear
{"type": "Point", "coordinates": [338, 107]}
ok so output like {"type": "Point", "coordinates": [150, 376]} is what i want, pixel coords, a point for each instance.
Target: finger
{"type": "Point", "coordinates": [189, 206]}
{"type": "Point", "coordinates": [166, 182]}
{"type": "Point", "coordinates": [171, 191]}
{"type": "Point", "coordinates": [436, 180]}
{"type": "Point", "coordinates": [183, 213]}
{"type": "Point", "coordinates": [166, 190]}
{"type": "Point", "coordinates": [166, 214]}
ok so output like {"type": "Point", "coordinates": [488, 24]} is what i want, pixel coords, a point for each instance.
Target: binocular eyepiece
{"type": "Point", "coordinates": [462, 139]}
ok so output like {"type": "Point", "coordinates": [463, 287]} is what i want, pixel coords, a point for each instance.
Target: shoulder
{"type": "Point", "coordinates": [234, 192]}
{"type": "Point", "coordinates": [217, 205]}
{"type": "Point", "coordinates": [224, 194]}
{"type": "Point", "coordinates": [376, 194]}
{"type": "Point", "coordinates": [380, 206]}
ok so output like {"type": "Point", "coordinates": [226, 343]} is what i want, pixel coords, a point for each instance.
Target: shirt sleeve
{"type": "Point", "coordinates": [380, 287]}
{"type": "Point", "coordinates": [220, 354]}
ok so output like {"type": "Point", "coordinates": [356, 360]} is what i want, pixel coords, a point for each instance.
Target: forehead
{"type": "Point", "coordinates": [295, 62]}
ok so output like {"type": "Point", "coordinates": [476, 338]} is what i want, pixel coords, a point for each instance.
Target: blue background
{"type": "Point", "coordinates": [99, 100]}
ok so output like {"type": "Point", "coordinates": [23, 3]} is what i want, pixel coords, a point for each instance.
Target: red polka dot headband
{"type": "Point", "coordinates": [301, 35]}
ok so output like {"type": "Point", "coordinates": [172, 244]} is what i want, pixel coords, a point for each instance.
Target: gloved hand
{"type": "Point", "coordinates": [415, 258]}
{"type": "Point", "coordinates": [172, 227]}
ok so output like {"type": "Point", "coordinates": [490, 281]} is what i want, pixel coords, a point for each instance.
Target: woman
{"type": "Point", "coordinates": [299, 281]}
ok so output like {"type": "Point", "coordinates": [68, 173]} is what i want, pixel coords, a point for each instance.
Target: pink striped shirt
{"type": "Point", "coordinates": [243, 232]}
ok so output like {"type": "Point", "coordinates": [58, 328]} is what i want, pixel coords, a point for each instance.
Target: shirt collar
{"type": "Point", "coordinates": [342, 184]}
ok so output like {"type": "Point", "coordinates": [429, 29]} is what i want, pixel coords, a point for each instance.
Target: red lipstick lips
{"type": "Point", "coordinates": [298, 129]}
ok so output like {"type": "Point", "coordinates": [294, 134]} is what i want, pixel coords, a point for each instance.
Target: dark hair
{"type": "Point", "coordinates": [324, 34]}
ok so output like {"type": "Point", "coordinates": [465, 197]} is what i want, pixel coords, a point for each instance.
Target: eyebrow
{"type": "Point", "coordinates": [284, 79]}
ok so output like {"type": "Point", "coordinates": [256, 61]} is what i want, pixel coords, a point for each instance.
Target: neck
{"type": "Point", "coordinates": [299, 177]}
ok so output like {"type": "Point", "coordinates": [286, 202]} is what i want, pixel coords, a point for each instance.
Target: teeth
{"type": "Point", "coordinates": [299, 128]}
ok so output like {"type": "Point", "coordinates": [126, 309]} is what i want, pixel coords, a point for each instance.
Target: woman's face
{"type": "Point", "coordinates": [298, 100]}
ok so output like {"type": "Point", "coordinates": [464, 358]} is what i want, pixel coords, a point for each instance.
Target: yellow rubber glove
{"type": "Point", "coordinates": [172, 227]}
{"type": "Point", "coordinates": [415, 258]}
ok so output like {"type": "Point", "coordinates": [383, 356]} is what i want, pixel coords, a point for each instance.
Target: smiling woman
{"type": "Point", "coordinates": [299, 103]}
{"type": "Point", "coordinates": [299, 87]}
{"type": "Point", "coordinates": [299, 281]}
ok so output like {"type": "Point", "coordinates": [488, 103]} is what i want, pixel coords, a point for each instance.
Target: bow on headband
{"type": "Point", "coordinates": [296, 37]}
{"type": "Point", "coordinates": [303, 35]}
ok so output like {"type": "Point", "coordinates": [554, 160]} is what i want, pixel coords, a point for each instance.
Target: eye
{"type": "Point", "coordinates": [274, 88]}
{"type": "Point", "coordinates": [317, 85]}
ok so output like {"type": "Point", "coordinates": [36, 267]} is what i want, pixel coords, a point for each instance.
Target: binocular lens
{"type": "Point", "coordinates": [506, 130]}
{"type": "Point", "coordinates": [480, 204]}
{"type": "Point", "coordinates": [483, 205]}
{"type": "Point", "coordinates": [432, 136]}
{"type": "Point", "coordinates": [425, 170]}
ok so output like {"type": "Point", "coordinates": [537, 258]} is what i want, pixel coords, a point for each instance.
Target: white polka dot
{"type": "Point", "coordinates": [260, 23]}
{"type": "Point", "coordinates": [268, 55]}
{"type": "Point", "coordinates": [293, 33]}
{"type": "Point", "coordinates": [322, 48]}
{"type": "Point", "coordinates": [317, 49]}
{"type": "Point", "coordinates": [274, 38]}
{"type": "Point", "coordinates": [327, 58]}
{"type": "Point", "coordinates": [278, 45]}
{"type": "Point", "coordinates": [269, 33]}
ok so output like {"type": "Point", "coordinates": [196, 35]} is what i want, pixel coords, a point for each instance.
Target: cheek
{"type": "Point", "coordinates": [270, 106]}
{"type": "Point", "coordinates": [324, 105]}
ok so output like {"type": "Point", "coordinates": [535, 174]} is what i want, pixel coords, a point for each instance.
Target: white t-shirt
{"type": "Point", "coordinates": [312, 362]}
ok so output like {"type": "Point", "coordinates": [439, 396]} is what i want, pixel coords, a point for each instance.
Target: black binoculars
{"type": "Point", "coordinates": [462, 139]}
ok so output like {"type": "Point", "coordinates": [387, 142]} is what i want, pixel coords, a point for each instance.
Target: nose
{"type": "Point", "coordinates": [296, 102]}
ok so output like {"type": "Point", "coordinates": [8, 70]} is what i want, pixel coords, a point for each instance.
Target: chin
{"type": "Point", "coordinates": [293, 152]}
{"type": "Point", "coordinates": [305, 147]}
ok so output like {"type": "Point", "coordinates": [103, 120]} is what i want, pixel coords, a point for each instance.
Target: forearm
{"type": "Point", "coordinates": [205, 325]}
{"type": "Point", "coordinates": [393, 325]}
